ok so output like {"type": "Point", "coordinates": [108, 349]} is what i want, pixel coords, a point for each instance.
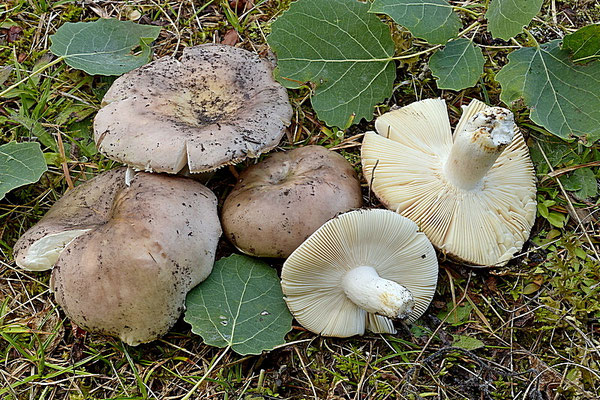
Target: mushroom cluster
{"type": "Point", "coordinates": [126, 247]}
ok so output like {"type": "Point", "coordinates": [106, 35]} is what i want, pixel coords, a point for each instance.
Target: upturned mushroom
{"type": "Point", "coordinates": [277, 203]}
{"type": "Point", "coordinates": [473, 194]}
{"type": "Point", "coordinates": [359, 271]}
{"type": "Point", "coordinates": [125, 256]}
{"type": "Point", "coordinates": [216, 106]}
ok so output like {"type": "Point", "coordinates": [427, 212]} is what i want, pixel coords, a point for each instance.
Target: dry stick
{"type": "Point", "coordinates": [305, 373]}
{"type": "Point", "coordinates": [210, 369]}
{"type": "Point", "coordinates": [362, 377]}
{"type": "Point", "coordinates": [63, 161]}
{"type": "Point", "coordinates": [571, 207]}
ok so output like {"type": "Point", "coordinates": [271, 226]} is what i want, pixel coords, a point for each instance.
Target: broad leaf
{"type": "Point", "coordinates": [582, 182]}
{"type": "Point", "coordinates": [239, 305]}
{"type": "Point", "coordinates": [467, 342]}
{"type": "Point", "coordinates": [432, 20]}
{"type": "Point", "coordinates": [20, 164]}
{"type": "Point", "coordinates": [105, 46]}
{"type": "Point", "coordinates": [563, 97]}
{"type": "Point", "coordinates": [342, 50]}
{"type": "Point", "coordinates": [458, 66]}
{"type": "Point", "coordinates": [584, 44]}
{"type": "Point", "coordinates": [506, 18]}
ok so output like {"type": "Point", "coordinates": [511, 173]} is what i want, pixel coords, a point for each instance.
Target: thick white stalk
{"type": "Point", "coordinates": [365, 288]}
{"type": "Point", "coordinates": [478, 145]}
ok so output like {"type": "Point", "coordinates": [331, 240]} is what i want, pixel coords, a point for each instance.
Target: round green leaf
{"type": "Point", "coordinates": [563, 97]}
{"type": "Point", "coordinates": [20, 164]}
{"type": "Point", "coordinates": [432, 20]}
{"type": "Point", "coordinates": [342, 50]}
{"type": "Point", "coordinates": [239, 305]}
{"type": "Point", "coordinates": [458, 65]}
{"type": "Point", "coordinates": [105, 46]}
{"type": "Point", "coordinates": [506, 18]}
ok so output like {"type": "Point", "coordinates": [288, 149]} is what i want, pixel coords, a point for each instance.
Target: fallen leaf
{"type": "Point", "coordinates": [231, 38]}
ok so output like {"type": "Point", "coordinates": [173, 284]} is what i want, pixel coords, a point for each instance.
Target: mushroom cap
{"type": "Point", "coordinates": [214, 107]}
{"type": "Point", "coordinates": [311, 276]}
{"type": "Point", "coordinates": [404, 165]}
{"type": "Point", "coordinates": [279, 202]}
{"type": "Point", "coordinates": [128, 271]}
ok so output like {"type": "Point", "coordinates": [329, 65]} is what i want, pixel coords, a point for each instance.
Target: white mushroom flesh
{"type": "Point", "coordinates": [376, 295]}
{"type": "Point", "coordinates": [42, 255]}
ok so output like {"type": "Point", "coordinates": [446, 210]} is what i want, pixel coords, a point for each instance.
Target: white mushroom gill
{"type": "Point", "coordinates": [42, 254]}
{"type": "Point", "coordinates": [365, 288]}
{"type": "Point", "coordinates": [477, 146]}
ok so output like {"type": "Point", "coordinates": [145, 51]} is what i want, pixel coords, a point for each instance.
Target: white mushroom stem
{"type": "Point", "coordinates": [478, 145]}
{"type": "Point", "coordinates": [365, 288]}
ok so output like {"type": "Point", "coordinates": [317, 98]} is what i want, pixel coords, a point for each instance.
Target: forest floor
{"type": "Point", "coordinates": [528, 330]}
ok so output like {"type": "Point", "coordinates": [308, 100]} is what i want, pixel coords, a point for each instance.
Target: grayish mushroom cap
{"type": "Point", "coordinates": [280, 201]}
{"type": "Point", "coordinates": [133, 256]}
{"type": "Point", "coordinates": [216, 106]}
{"type": "Point", "coordinates": [359, 270]}
{"type": "Point", "coordinates": [472, 194]}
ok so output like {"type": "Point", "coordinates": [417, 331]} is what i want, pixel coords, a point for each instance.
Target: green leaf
{"type": "Point", "coordinates": [466, 342]}
{"type": "Point", "coordinates": [563, 97]}
{"type": "Point", "coordinates": [20, 164]}
{"type": "Point", "coordinates": [458, 66]}
{"type": "Point", "coordinates": [582, 182]}
{"type": "Point", "coordinates": [432, 20]}
{"type": "Point", "coordinates": [557, 219]}
{"type": "Point", "coordinates": [584, 44]}
{"type": "Point", "coordinates": [239, 305]}
{"type": "Point", "coordinates": [105, 46]}
{"type": "Point", "coordinates": [342, 50]}
{"type": "Point", "coordinates": [506, 18]}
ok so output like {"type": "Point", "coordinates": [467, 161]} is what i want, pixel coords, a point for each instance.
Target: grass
{"type": "Point", "coordinates": [529, 330]}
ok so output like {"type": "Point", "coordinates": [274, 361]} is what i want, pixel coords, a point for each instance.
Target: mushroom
{"type": "Point", "coordinates": [216, 106]}
{"type": "Point", "coordinates": [473, 194]}
{"type": "Point", "coordinates": [126, 256]}
{"type": "Point", "coordinates": [360, 270]}
{"type": "Point", "coordinates": [277, 203]}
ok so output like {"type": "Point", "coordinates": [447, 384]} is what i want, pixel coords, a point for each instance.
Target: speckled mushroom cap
{"type": "Point", "coordinates": [358, 271]}
{"type": "Point", "coordinates": [277, 203]}
{"type": "Point", "coordinates": [216, 106]}
{"type": "Point", "coordinates": [472, 194]}
{"type": "Point", "coordinates": [136, 251]}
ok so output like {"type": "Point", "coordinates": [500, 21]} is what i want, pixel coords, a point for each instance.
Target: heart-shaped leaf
{"type": "Point", "coordinates": [563, 97]}
{"type": "Point", "coordinates": [105, 46]}
{"type": "Point", "coordinates": [20, 164]}
{"type": "Point", "coordinates": [584, 44]}
{"type": "Point", "coordinates": [506, 18]}
{"type": "Point", "coordinates": [240, 305]}
{"type": "Point", "coordinates": [432, 20]}
{"type": "Point", "coordinates": [458, 66]}
{"type": "Point", "coordinates": [342, 51]}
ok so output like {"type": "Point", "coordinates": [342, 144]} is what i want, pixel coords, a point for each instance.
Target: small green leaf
{"type": "Point", "coordinates": [105, 46]}
{"type": "Point", "coordinates": [563, 97]}
{"type": "Point", "coordinates": [432, 20]}
{"type": "Point", "coordinates": [582, 182]}
{"type": "Point", "coordinates": [466, 342]}
{"type": "Point", "coordinates": [506, 18]}
{"type": "Point", "coordinates": [239, 305]}
{"type": "Point", "coordinates": [458, 66]}
{"type": "Point", "coordinates": [342, 50]}
{"type": "Point", "coordinates": [584, 44]}
{"type": "Point", "coordinates": [20, 164]}
{"type": "Point", "coordinates": [556, 219]}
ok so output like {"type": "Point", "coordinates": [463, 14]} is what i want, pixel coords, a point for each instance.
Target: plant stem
{"type": "Point", "coordinates": [210, 369]}
{"type": "Point", "coordinates": [34, 73]}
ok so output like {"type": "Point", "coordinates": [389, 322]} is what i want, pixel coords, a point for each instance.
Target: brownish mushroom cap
{"type": "Point", "coordinates": [280, 201]}
{"type": "Point", "coordinates": [127, 271]}
{"type": "Point", "coordinates": [214, 107]}
{"type": "Point", "coordinates": [472, 194]}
